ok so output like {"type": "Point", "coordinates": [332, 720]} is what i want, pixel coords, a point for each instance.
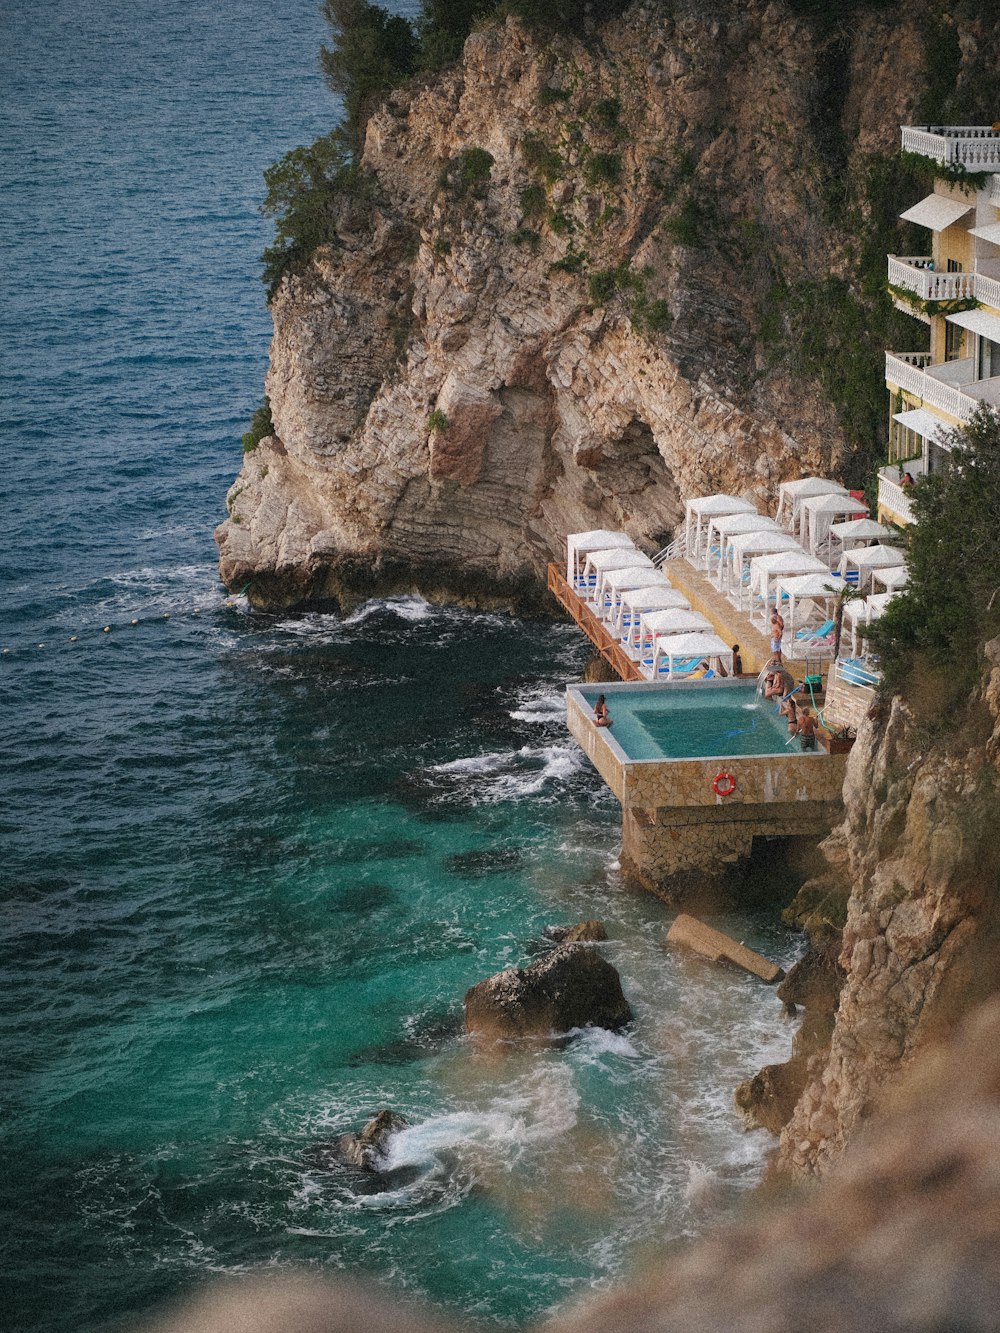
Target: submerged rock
{"type": "Point", "coordinates": [367, 1149]}
{"type": "Point", "coordinates": [570, 987]}
{"type": "Point", "coordinates": [584, 932]}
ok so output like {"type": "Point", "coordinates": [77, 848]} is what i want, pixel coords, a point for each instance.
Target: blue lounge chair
{"type": "Point", "coordinates": [820, 633]}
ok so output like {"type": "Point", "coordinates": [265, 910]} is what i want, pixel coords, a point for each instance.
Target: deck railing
{"type": "Point", "coordinates": [603, 640]}
{"type": "Point", "coordinates": [677, 550]}
{"type": "Point", "coordinates": [988, 289]}
{"type": "Point", "coordinates": [975, 147]}
{"type": "Point", "coordinates": [917, 274]}
{"type": "Point", "coordinates": [901, 370]}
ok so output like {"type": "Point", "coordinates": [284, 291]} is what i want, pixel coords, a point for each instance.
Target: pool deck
{"type": "Point", "coordinates": [731, 625]}
{"type": "Point", "coordinates": [672, 819]}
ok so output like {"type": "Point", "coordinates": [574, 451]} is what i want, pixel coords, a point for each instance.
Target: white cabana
{"type": "Point", "coordinates": [791, 495]}
{"type": "Point", "coordinates": [675, 620]}
{"type": "Point", "coordinates": [697, 512]}
{"type": "Point", "coordinates": [722, 530]}
{"type": "Point", "coordinates": [867, 558]}
{"type": "Point", "coordinates": [654, 597]}
{"type": "Point", "coordinates": [743, 547]}
{"type": "Point", "coordinates": [892, 579]}
{"type": "Point", "coordinates": [766, 569]}
{"type": "Point", "coordinates": [680, 655]}
{"type": "Point", "coordinates": [809, 607]}
{"type": "Point", "coordinates": [857, 531]}
{"type": "Point", "coordinates": [855, 619]}
{"type": "Point", "coordinates": [611, 564]}
{"type": "Point", "coordinates": [600, 562]}
{"type": "Point", "coordinates": [819, 512]}
{"type": "Point", "coordinates": [619, 581]}
{"type": "Point", "coordinates": [580, 544]}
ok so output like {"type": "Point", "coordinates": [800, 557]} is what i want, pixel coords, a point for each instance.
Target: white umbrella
{"type": "Point", "coordinates": [676, 620]}
{"type": "Point", "coordinates": [764, 569]}
{"type": "Point", "coordinates": [722, 530]}
{"type": "Point", "coordinates": [808, 594]}
{"type": "Point", "coordinates": [617, 581]}
{"type": "Point", "coordinates": [747, 544]}
{"type": "Point", "coordinates": [608, 562]}
{"type": "Point", "coordinates": [892, 579]}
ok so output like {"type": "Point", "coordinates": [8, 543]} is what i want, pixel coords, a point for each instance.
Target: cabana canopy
{"type": "Point", "coordinates": [892, 579]}
{"type": "Point", "coordinates": [867, 558]}
{"type": "Point", "coordinates": [697, 512]}
{"type": "Point", "coordinates": [747, 544]}
{"type": "Point", "coordinates": [791, 495]}
{"type": "Point", "coordinates": [676, 620]}
{"type": "Point", "coordinates": [605, 563]}
{"type": "Point", "coordinates": [692, 651]}
{"type": "Point", "coordinates": [653, 598]}
{"type": "Point", "coordinates": [618, 581]}
{"type": "Point", "coordinates": [766, 569]}
{"type": "Point", "coordinates": [580, 544]}
{"type": "Point", "coordinates": [859, 530]}
{"type": "Point", "coordinates": [812, 601]}
{"type": "Point", "coordinates": [819, 512]}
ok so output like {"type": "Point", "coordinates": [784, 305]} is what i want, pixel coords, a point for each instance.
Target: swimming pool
{"type": "Point", "coordinates": [696, 722]}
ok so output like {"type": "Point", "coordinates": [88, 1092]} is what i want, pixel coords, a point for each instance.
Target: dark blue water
{"type": "Point", "coordinates": [250, 864]}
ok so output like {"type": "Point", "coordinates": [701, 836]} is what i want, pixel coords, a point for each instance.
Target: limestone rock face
{"type": "Point", "coordinates": [570, 987]}
{"type": "Point", "coordinates": [920, 855]}
{"type": "Point", "coordinates": [592, 369]}
{"type": "Point", "coordinates": [584, 932]}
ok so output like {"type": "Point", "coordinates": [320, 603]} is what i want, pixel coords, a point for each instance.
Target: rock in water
{"type": "Point", "coordinates": [571, 987]}
{"type": "Point", "coordinates": [584, 932]}
{"type": "Point", "coordinates": [367, 1149]}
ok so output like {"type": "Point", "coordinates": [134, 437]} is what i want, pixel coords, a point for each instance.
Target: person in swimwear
{"type": "Point", "coordinates": [602, 718]}
{"type": "Point", "coordinates": [789, 710]}
{"type": "Point", "coordinates": [807, 728]}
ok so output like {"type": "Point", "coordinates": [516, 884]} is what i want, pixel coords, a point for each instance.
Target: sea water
{"type": "Point", "coordinates": [251, 863]}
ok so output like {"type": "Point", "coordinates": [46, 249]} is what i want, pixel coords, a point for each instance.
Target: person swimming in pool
{"type": "Point", "coordinates": [602, 718]}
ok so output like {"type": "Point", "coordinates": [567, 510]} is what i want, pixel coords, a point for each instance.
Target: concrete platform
{"type": "Point", "coordinates": [713, 944]}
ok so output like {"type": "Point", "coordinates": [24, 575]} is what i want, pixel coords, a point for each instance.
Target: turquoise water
{"type": "Point", "coordinates": [700, 722]}
{"type": "Point", "coordinates": [250, 863]}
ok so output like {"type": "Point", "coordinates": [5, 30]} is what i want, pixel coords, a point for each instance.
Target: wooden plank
{"type": "Point", "coordinates": [605, 643]}
{"type": "Point", "coordinates": [713, 944]}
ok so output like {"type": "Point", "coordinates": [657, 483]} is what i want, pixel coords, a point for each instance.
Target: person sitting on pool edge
{"type": "Point", "coordinates": [602, 718]}
{"type": "Point", "coordinates": [807, 728]}
{"type": "Point", "coordinates": [774, 681]}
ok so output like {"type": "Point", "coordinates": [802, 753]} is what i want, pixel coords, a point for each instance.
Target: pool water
{"type": "Point", "coordinates": [701, 722]}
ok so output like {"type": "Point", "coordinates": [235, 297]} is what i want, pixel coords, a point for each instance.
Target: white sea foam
{"type": "Point", "coordinates": [703, 1185]}
{"type": "Point", "coordinates": [594, 1042]}
{"type": "Point", "coordinates": [540, 705]}
{"type": "Point", "coordinates": [511, 775]}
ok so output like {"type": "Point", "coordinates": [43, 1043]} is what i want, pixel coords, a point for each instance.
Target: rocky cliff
{"type": "Point", "coordinates": [548, 308]}
{"type": "Point", "coordinates": [918, 861]}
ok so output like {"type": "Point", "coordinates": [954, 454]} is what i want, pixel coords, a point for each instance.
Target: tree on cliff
{"type": "Point", "coordinates": [372, 53]}
{"type": "Point", "coordinates": [951, 605]}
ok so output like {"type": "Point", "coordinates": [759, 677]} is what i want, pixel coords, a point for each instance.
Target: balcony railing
{"type": "Point", "coordinates": [893, 498]}
{"type": "Point", "coordinates": [988, 291]}
{"type": "Point", "coordinates": [975, 147]}
{"type": "Point", "coordinates": [995, 192]}
{"type": "Point", "coordinates": [904, 370]}
{"type": "Point", "coordinates": [917, 274]}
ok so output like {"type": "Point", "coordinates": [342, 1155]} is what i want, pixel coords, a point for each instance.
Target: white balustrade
{"type": "Point", "coordinates": [995, 192]}
{"type": "Point", "coordinates": [988, 291]}
{"type": "Point", "coordinates": [916, 274]}
{"type": "Point", "coordinates": [975, 147]}
{"type": "Point", "coordinates": [900, 370]}
{"type": "Point", "coordinates": [893, 497]}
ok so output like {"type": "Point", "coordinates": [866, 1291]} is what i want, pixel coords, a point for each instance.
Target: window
{"type": "Point", "coordinates": [953, 336]}
{"type": "Point", "coordinates": [989, 358]}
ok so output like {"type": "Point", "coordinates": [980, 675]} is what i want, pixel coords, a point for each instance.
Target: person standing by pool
{"type": "Point", "coordinates": [602, 718]}
{"type": "Point", "coordinates": [737, 661]}
{"type": "Point", "coordinates": [777, 633]}
{"type": "Point", "coordinates": [807, 728]}
{"type": "Point", "coordinates": [789, 709]}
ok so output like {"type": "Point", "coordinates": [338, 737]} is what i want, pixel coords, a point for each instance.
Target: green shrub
{"type": "Point", "coordinates": [306, 190]}
{"type": "Point", "coordinates": [533, 201]}
{"type": "Point", "coordinates": [441, 246]}
{"type": "Point", "coordinates": [601, 285]}
{"type": "Point", "coordinates": [560, 223]}
{"type": "Point", "coordinates": [437, 422]}
{"type": "Point", "coordinates": [603, 169]}
{"type": "Point", "coordinates": [549, 96]}
{"type": "Point", "coordinates": [687, 226]}
{"type": "Point", "coordinates": [544, 160]}
{"type": "Point", "coordinates": [527, 236]}
{"type": "Point", "coordinates": [658, 316]}
{"type": "Point", "coordinates": [571, 262]}
{"type": "Point", "coordinates": [608, 112]}
{"type": "Point", "coordinates": [372, 53]}
{"type": "Point", "coordinates": [950, 606]}
{"type": "Point", "coordinates": [468, 173]}
{"type": "Point", "coordinates": [261, 426]}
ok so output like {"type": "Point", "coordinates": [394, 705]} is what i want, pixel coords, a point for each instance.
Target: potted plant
{"type": "Point", "coordinates": [838, 741]}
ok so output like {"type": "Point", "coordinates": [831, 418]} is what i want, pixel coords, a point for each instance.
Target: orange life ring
{"type": "Point", "coordinates": [724, 784]}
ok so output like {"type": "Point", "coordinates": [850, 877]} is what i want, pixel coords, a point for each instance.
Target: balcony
{"type": "Point", "coordinates": [974, 147]}
{"type": "Point", "coordinates": [917, 274]}
{"type": "Point", "coordinates": [950, 387]}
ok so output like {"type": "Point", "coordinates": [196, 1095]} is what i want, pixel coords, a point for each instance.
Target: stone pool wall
{"type": "Point", "coordinates": [673, 823]}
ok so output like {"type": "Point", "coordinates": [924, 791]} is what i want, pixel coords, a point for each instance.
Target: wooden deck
{"type": "Point", "coordinates": [731, 625]}
{"type": "Point", "coordinates": [605, 642]}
